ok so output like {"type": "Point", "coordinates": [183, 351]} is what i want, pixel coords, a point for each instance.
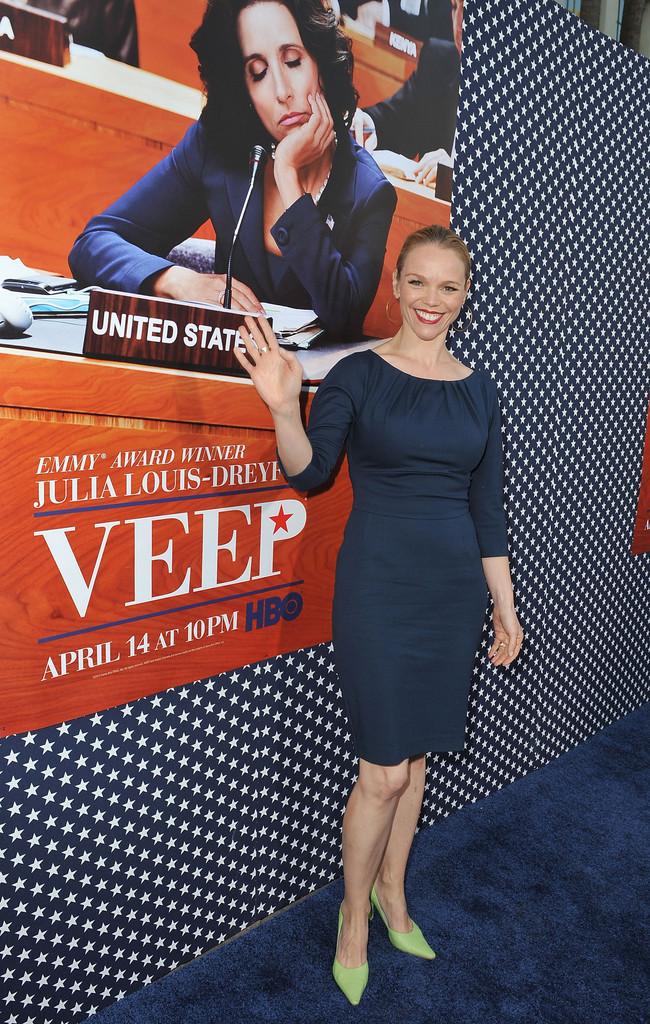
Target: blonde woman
{"type": "Point", "coordinates": [425, 541]}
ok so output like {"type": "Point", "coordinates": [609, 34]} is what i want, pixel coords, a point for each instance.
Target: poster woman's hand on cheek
{"type": "Point", "coordinates": [303, 146]}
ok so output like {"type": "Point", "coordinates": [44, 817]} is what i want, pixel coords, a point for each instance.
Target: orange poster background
{"type": "Point", "coordinates": [39, 620]}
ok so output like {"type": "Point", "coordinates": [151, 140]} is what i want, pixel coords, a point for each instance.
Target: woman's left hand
{"type": "Point", "coordinates": [508, 636]}
{"type": "Point", "coordinates": [307, 143]}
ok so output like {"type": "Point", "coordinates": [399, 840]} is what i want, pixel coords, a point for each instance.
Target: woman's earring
{"type": "Point", "coordinates": [470, 319]}
{"type": "Point", "coordinates": [388, 312]}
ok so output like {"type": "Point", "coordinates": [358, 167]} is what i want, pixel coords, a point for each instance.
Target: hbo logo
{"type": "Point", "coordinates": [268, 611]}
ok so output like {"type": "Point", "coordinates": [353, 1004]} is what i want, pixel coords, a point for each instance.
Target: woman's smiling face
{"type": "Point", "coordinates": [431, 289]}
{"type": "Point", "coordinates": [278, 70]}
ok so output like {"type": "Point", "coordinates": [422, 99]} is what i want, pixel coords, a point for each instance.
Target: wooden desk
{"type": "Point", "coordinates": [64, 336]}
{"type": "Point", "coordinates": [72, 139]}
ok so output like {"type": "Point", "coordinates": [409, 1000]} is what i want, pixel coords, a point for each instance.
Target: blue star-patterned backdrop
{"type": "Point", "coordinates": [135, 839]}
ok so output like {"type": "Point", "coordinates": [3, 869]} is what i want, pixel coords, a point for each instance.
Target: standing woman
{"type": "Point", "coordinates": [277, 73]}
{"type": "Point", "coordinates": [425, 540]}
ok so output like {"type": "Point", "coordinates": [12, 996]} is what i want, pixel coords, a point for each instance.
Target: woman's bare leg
{"type": "Point", "coordinates": [366, 827]}
{"type": "Point", "coordinates": [389, 883]}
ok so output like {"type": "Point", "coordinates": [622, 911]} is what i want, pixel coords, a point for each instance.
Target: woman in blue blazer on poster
{"type": "Point", "coordinates": [276, 73]}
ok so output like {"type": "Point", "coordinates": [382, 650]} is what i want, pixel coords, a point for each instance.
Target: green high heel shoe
{"type": "Point", "coordinates": [351, 980]}
{"type": "Point", "coordinates": [412, 941]}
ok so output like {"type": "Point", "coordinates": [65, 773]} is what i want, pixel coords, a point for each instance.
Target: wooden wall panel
{"type": "Point", "coordinates": [69, 148]}
{"type": "Point", "coordinates": [42, 211]}
{"type": "Point", "coordinates": [164, 42]}
{"type": "Point", "coordinates": [104, 93]}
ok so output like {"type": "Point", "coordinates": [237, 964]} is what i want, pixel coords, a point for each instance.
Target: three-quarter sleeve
{"type": "Point", "coordinates": [333, 410]}
{"type": "Point", "coordinates": [486, 487]}
{"type": "Point", "coordinates": [341, 280]}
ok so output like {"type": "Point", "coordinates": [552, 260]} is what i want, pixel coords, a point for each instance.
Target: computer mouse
{"type": "Point", "coordinates": [14, 311]}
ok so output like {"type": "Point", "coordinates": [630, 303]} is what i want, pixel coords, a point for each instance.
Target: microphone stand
{"type": "Point", "coordinates": [257, 156]}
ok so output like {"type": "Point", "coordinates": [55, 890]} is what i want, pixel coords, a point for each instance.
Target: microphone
{"type": "Point", "coordinates": [255, 160]}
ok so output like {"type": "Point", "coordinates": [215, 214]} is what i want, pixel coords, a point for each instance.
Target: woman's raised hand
{"type": "Point", "coordinates": [276, 373]}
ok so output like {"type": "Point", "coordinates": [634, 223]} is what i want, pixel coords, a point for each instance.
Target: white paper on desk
{"type": "Point", "coordinates": [287, 320]}
{"type": "Point", "coordinates": [79, 50]}
{"type": "Point", "coordinates": [17, 269]}
{"type": "Point", "coordinates": [301, 339]}
{"type": "Point", "coordinates": [394, 163]}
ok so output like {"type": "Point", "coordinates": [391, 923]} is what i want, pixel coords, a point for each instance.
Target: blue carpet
{"type": "Point", "coordinates": [536, 900]}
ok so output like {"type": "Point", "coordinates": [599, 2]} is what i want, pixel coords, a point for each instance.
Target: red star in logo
{"type": "Point", "coordinates": [281, 520]}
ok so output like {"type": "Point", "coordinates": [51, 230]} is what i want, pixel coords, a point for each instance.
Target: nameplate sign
{"type": "Point", "coordinates": [444, 175]}
{"type": "Point", "coordinates": [163, 332]}
{"type": "Point", "coordinates": [388, 38]}
{"type": "Point", "coordinates": [28, 32]}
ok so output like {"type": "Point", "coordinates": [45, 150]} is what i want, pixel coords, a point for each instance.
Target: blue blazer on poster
{"type": "Point", "coordinates": [332, 253]}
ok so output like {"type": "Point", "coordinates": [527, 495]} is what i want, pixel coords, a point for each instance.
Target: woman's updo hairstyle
{"type": "Point", "coordinates": [437, 235]}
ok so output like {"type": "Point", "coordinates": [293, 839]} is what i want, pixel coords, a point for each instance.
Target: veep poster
{"type": "Point", "coordinates": [136, 559]}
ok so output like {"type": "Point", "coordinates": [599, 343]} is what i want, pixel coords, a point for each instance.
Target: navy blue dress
{"type": "Point", "coordinates": [426, 464]}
